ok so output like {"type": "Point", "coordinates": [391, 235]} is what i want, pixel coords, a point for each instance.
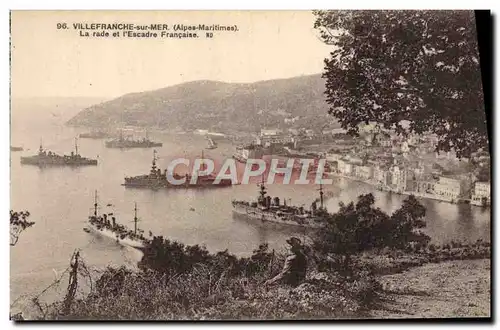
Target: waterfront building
{"type": "Point", "coordinates": [344, 167]}
{"type": "Point", "coordinates": [331, 157]}
{"type": "Point", "coordinates": [379, 174]}
{"type": "Point", "coordinates": [398, 178]}
{"type": "Point", "coordinates": [270, 132]}
{"type": "Point", "coordinates": [481, 194]}
{"type": "Point", "coordinates": [448, 188]}
{"type": "Point", "coordinates": [363, 172]}
{"type": "Point", "coordinates": [424, 186]}
{"type": "Point", "coordinates": [354, 160]}
{"type": "Point", "coordinates": [269, 137]}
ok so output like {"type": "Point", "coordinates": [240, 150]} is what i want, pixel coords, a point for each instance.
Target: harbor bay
{"type": "Point", "coordinates": [61, 199]}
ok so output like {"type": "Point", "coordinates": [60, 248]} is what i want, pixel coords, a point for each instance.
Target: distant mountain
{"type": "Point", "coordinates": [217, 106]}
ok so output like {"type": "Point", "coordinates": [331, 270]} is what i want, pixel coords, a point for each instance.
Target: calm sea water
{"type": "Point", "coordinates": [60, 200]}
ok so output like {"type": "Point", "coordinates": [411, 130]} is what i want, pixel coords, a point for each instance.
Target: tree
{"type": "Point", "coordinates": [484, 173]}
{"type": "Point", "coordinates": [419, 66]}
{"type": "Point", "coordinates": [361, 227]}
{"type": "Point", "coordinates": [406, 223]}
{"type": "Point", "coordinates": [18, 223]}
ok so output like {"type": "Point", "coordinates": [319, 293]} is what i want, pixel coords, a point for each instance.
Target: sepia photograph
{"type": "Point", "coordinates": [250, 165]}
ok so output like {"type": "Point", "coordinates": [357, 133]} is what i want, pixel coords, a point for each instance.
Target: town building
{"type": "Point", "coordinates": [331, 157]}
{"type": "Point", "coordinates": [363, 172]}
{"type": "Point", "coordinates": [337, 131]}
{"type": "Point", "coordinates": [344, 167]}
{"type": "Point", "coordinates": [354, 160]}
{"type": "Point", "coordinates": [398, 178]}
{"type": "Point", "coordinates": [481, 194]}
{"type": "Point", "coordinates": [269, 137]}
{"type": "Point", "coordinates": [424, 186]}
{"type": "Point", "coordinates": [448, 188]}
{"type": "Point", "coordinates": [379, 174]}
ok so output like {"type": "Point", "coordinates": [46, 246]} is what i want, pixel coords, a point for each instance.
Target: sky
{"type": "Point", "coordinates": [51, 62]}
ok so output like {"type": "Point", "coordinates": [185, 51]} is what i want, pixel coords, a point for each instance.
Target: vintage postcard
{"type": "Point", "coordinates": [249, 165]}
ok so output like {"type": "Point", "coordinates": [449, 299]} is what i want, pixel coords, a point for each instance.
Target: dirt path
{"type": "Point", "coordinates": [444, 290]}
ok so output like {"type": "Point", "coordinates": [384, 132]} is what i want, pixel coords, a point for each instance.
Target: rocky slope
{"type": "Point", "coordinates": [217, 106]}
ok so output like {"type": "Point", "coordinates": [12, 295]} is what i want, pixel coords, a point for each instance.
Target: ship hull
{"type": "Point", "coordinates": [130, 146]}
{"type": "Point", "coordinates": [256, 214]}
{"type": "Point", "coordinates": [240, 159]}
{"type": "Point", "coordinates": [166, 185]}
{"type": "Point", "coordinates": [57, 162]}
{"type": "Point", "coordinates": [113, 236]}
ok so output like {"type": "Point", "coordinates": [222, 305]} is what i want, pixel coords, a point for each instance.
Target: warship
{"type": "Point", "coordinates": [49, 158]}
{"type": "Point", "coordinates": [107, 226]}
{"type": "Point", "coordinates": [269, 209]}
{"type": "Point", "coordinates": [157, 179]}
{"type": "Point", "coordinates": [16, 148]}
{"type": "Point", "coordinates": [126, 143]}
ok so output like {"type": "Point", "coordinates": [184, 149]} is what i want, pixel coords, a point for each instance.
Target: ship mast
{"type": "Point", "coordinates": [202, 164]}
{"type": "Point", "coordinates": [95, 204]}
{"type": "Point", "coordinates": [153, 167]}
{"type": "Point", "coordinates": [40, 150]}
{"type": "Point", "coordinates": [76, 147]}
{"type": "Point", "coordinates": [262, 190]}
{"type": "Point", "coordinates": [321, 195]}
{"type": "Point", "coordinates": [135, 219]}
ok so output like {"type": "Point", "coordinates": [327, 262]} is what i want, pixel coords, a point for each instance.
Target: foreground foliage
{"type": "Point", "coordinates": [18, 223]}
{"type": "Point", "coordinates": [420, 66]}
{"type": "Point", "coordinates": [180, 282]}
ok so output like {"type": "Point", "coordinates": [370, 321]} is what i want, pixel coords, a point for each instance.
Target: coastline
{"type": "Point", "coordinates": [407, 193]}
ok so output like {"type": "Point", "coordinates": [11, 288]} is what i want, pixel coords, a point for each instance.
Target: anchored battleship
{"type": "Point", "coordinates": [16, 148]}
{"type": "Point", "coordinates": [126, 143]}
{"type": "Point", "coordinates": [269, 209]}
{"type": "Point", "coordinates": [157, 179]}
{"type": "Point", "coordinates": [49, 158]}
{"type": "Point", "coordinates": [106, 225]}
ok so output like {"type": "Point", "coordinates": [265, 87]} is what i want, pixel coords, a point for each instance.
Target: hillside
{"type": "Point", "coordinates": [217, 106]}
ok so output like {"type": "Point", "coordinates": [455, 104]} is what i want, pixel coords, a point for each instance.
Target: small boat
{"type": "Point", "coordinates": [211, 144]}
